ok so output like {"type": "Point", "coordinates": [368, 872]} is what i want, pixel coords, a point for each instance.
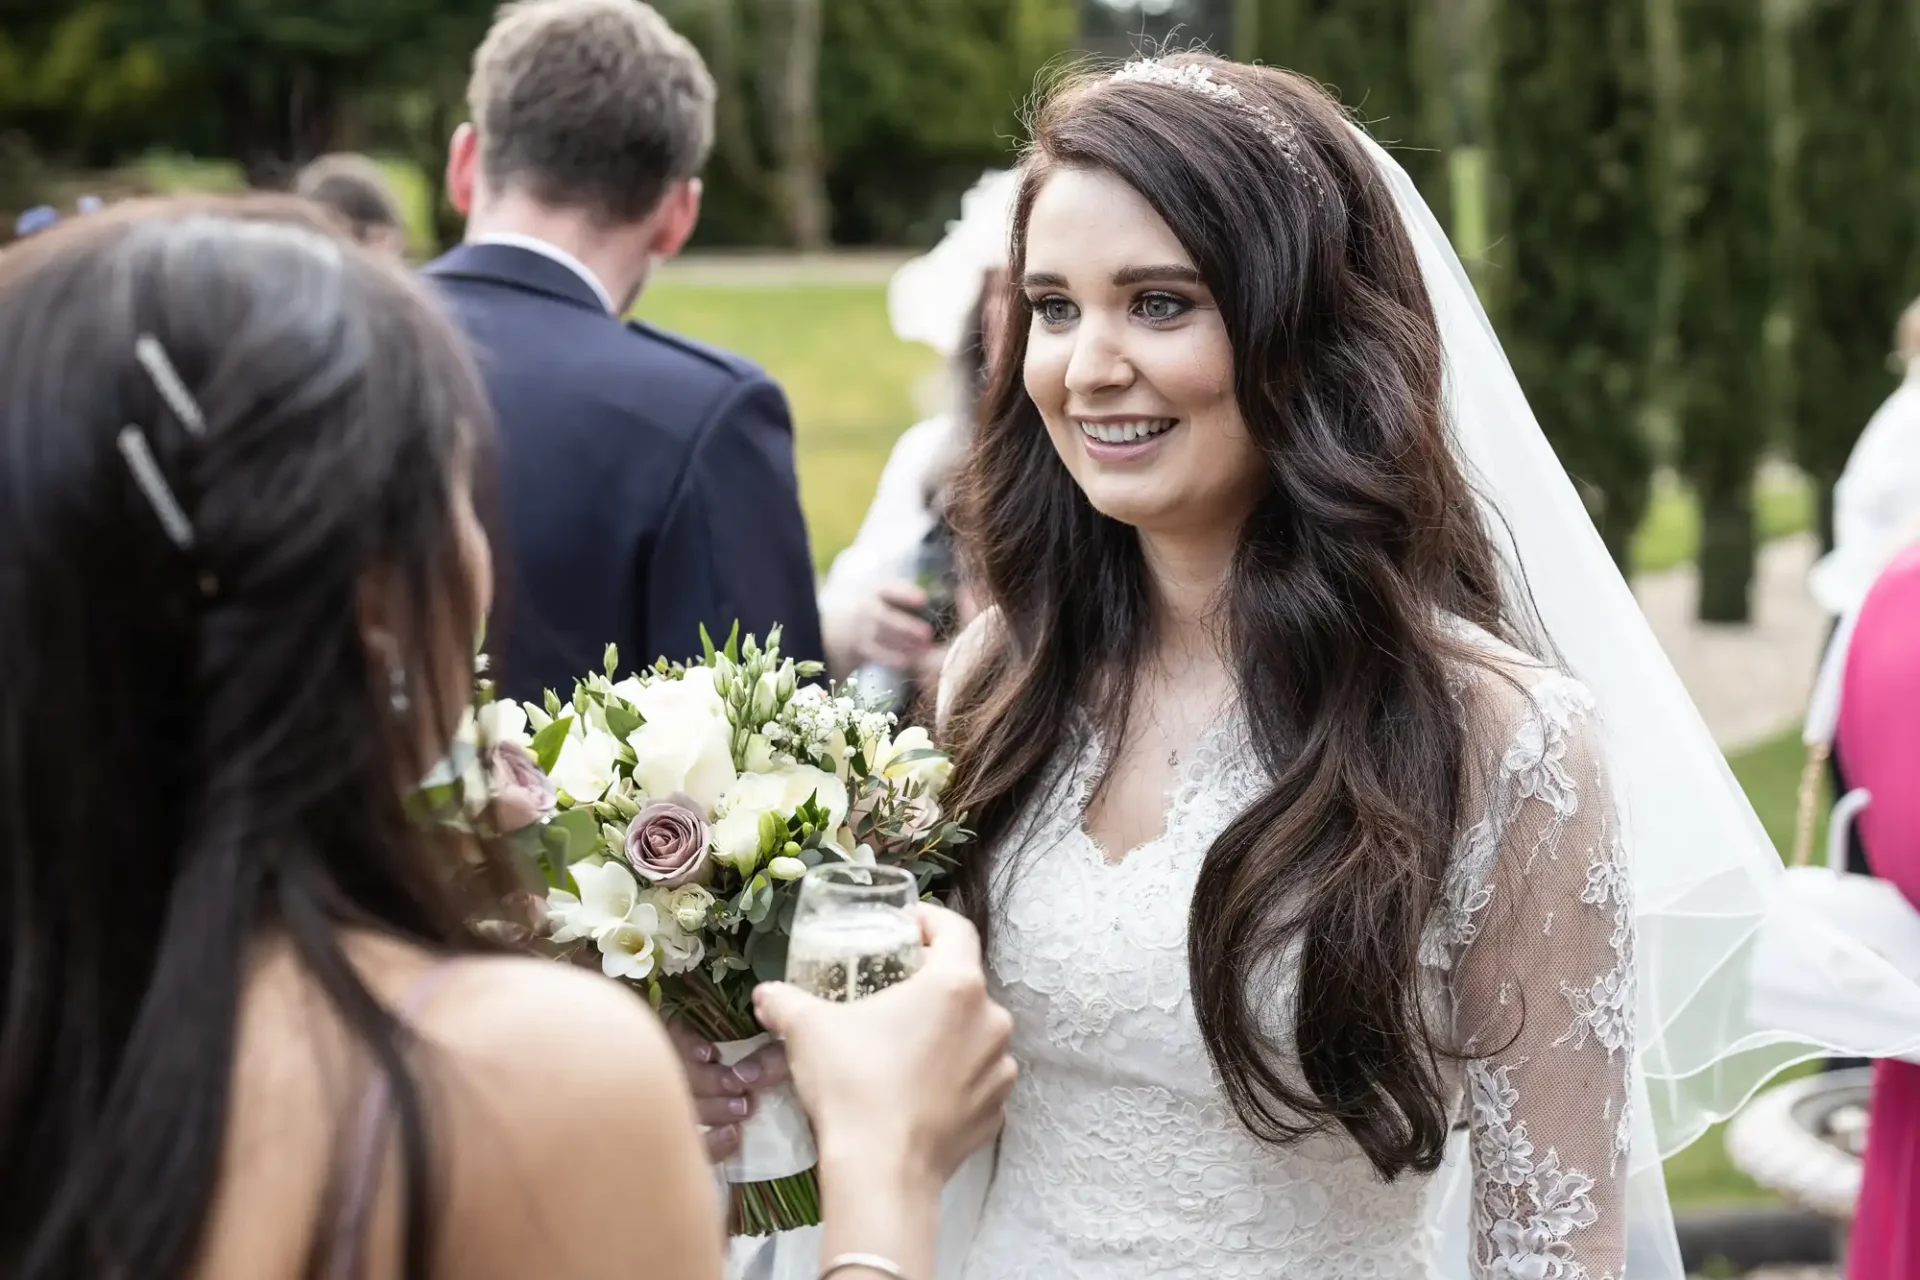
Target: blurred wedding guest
{"type": "Point", "coordinates": [1879, 489]}
{"type": "Point", "coordinates": [892, 598]}
{"type": "Point", "coordinates": [649, 480]}
{"type": "Point", "coordinates": [353, 189]}
{"type": "Point", "coordinates": [1877, 496]}
{"type": "Point", "coordinates": [249, 1031]}
{"type": "Point", "coordinates": [1879, 734]}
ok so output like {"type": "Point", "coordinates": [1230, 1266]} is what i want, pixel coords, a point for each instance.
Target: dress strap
{"type": "Point", "coordinates": [362, 1181]}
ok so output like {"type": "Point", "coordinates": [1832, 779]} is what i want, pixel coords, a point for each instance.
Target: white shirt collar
{"type": "Point", "coordinates": [533, 244]}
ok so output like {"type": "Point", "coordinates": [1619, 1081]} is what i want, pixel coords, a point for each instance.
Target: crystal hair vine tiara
{"type": "Point", "coordinates": [1199, 80]}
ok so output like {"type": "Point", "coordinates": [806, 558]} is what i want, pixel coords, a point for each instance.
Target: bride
{"type": "Point", "coordinates": [1304, 843]}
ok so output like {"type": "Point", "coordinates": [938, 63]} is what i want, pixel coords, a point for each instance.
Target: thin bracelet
{"type": "Point", "coordinates": [871, 1261]}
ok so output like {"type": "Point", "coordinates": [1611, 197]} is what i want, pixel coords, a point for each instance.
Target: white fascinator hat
{"type": "Point", "coordinates": [930, 298]}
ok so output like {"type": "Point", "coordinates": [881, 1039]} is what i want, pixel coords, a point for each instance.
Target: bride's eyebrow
{"type": "Point", "coordinates": [1163, 273]}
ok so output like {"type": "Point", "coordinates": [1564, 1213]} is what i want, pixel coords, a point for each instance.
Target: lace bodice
{"type": "Point", "coordinates": [1121, 1157]}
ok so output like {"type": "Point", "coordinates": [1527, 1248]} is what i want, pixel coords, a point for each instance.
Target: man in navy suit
{"type": "Point", "coordinates": [648, 481]}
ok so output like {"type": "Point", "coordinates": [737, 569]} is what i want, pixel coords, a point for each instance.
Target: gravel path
{"type": "Point", "coordinates": [1751, 683]}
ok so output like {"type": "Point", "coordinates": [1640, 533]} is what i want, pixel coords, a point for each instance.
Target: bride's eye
{"type": "Point", "coordinates": [1053, 310]}
{"type": "Point", "coordinates": [1160, 308]}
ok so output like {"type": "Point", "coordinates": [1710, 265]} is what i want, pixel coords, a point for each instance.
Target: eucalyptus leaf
{"type": "Point", "coordinates": [621, 719]}
{"type": "Point", "coordinates": [547, 743]}
{"type": "Point", "coordinates": [572, 835]}
{"type": "Point", "coordinates": [768, 952]}
{"type": "Point", "coordinates": [916, 755]}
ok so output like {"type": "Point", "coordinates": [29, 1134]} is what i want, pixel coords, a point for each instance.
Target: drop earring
{"type": "Point", "coordinates": [397, 691]}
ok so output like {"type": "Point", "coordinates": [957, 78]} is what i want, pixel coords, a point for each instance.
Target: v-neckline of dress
{"type": "Point", "coordinates": [1188, 779]}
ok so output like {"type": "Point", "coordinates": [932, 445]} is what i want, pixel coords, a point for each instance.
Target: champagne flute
{"type": "Point", "coordinates": [855, 931]}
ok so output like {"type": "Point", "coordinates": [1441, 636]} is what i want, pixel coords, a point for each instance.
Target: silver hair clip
{"type": "Point", "coordinates": [146, 474]}
{"type": "Point", "coordinates": [153, 357]}
{"type": "Point", "coordinates": [1197, 79]}
{"type": "Point", "coordinates": [138, 450]}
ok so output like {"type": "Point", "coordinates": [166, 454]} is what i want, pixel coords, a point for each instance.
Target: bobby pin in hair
{"type": "Point", "coordinates": [153, 357]}
{"type": "Point", "coordinates": [138, 451]}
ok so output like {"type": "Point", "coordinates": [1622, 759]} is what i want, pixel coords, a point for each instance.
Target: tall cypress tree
{"type": "Point", "coordinates": [1578, 255]}
{"type": "Point", "coordinates": [1726, 289]}
{"type": "Point", "coordinates": [1376, 55]}
{"type": "Point", "coordinates": [1856, 186]}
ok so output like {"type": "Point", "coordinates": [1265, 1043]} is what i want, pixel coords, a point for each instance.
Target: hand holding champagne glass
{"type": "Point", "coordinates": [904, 1081]}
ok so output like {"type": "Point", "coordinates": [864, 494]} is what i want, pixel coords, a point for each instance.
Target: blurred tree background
{"type": "Point", "coordinates": [1694, 221]}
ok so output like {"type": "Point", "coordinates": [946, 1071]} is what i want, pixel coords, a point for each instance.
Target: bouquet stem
{"type": "Point", "coordinates": [759, 1208]}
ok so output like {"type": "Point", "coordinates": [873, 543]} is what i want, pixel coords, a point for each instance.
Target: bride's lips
{"type": "Point", "coordinates": [1123, 439]}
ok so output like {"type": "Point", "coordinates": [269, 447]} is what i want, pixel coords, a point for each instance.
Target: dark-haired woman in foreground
{"type": "Point", "coordinates": [247, 1029]}
{"type": "Point", "coordinates": [1303, 850]}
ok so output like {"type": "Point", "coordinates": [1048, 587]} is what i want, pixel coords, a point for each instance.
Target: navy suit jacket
{"type": "Point", "coordinates": [647, 481]}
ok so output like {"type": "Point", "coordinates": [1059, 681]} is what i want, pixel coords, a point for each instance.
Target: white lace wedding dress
{"type": "Point", "coordinates": [1121, 1158]}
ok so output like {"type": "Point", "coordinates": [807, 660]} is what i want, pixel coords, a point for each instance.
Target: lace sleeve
{"type": "Point", "coordinates": [1543, 1001]}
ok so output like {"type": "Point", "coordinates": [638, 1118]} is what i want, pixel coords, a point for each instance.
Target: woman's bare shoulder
{"type": "Point", "coordinates": [557, 1083]}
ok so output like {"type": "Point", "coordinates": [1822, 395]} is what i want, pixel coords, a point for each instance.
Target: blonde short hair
{"type": "Point", "coordinates": [593, 104]}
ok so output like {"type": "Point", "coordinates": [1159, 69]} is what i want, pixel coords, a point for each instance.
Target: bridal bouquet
{"type": "Point", "coordinates": [670, 815]}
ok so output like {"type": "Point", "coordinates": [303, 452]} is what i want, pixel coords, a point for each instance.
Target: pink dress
{"type": "Point", "coordinates": [1879, 737]}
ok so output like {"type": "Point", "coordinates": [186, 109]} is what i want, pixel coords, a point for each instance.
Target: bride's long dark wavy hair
{"type": "Point", "coordinates": [1342, 584]}
{"type": "Point", "coordinates": [198, 751]}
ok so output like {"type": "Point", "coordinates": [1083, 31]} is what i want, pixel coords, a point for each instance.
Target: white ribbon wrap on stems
{"type": "Point", "coordinates": [795, 1255]}
{"type": "Point", "coordinates": [775, 1141]}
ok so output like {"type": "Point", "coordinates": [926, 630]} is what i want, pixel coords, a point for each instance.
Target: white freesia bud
{"type": "Point", "coordinates": [786, 868]}
{"type": "Point", "coordinates": [766, 697]}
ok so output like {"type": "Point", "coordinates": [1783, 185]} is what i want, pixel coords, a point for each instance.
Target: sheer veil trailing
{"type": "Point", "coordinates": [1704, 870]}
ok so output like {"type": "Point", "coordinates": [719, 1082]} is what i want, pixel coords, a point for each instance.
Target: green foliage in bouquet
{"type": "Point", "coordinates": [668, 817]}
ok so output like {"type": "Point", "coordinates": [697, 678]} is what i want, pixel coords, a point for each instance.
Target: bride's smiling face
{"type": "Point", "coordinates": [1129, 363]}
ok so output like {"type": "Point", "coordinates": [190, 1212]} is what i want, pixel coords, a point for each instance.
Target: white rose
{"type": "Point", "coordinates": [688, 905]}
{"type": "Point", "coordinates": [686, 745]}
{"type": "Point", "coordinates": [503, 721]}
{"type": "Point", "coordinates": [736, 837]}
{"type": "Point", "coordinates": [931, 772]}
{"type": "Point", "coordinates": [584, 768]}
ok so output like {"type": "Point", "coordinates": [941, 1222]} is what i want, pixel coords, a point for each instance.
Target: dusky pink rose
{"type": "Point", "coordinates": [920, 817]}
{"type": "Point", "coordinates": [667, 845]}
{"type": "Point", "coordinates": [522, 795]}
